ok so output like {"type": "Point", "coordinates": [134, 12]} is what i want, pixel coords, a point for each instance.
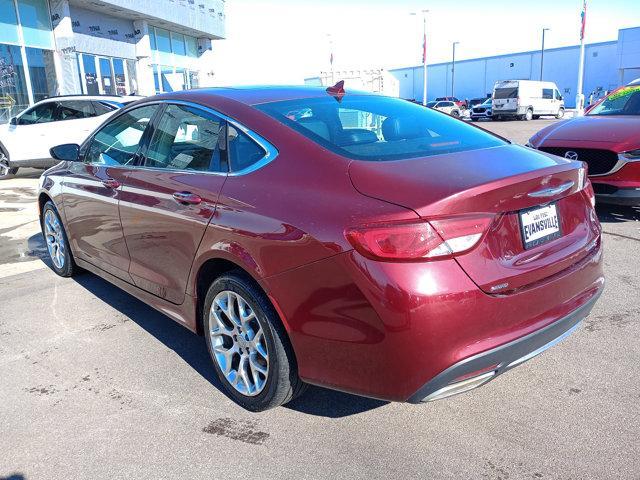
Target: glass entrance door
{"type": "Point", "coordinates": [90, 79]}
{"type": "Point", "coordinates": [106, 77]}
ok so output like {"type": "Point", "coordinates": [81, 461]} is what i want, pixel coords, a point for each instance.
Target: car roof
{"type": "Point", "coordinates": [255, 95]}
{"type": "Point", "coordinates": [107, 98]}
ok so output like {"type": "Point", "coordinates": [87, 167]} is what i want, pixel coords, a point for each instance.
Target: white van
{"type": "Point", "coordinates": [526, 99]}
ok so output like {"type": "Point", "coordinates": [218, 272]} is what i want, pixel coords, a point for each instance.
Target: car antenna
{"type": "Point", "coordinates": [337, 90]}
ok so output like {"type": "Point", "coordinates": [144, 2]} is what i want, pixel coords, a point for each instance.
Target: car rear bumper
{"type": "Point", "coordinates": [386, 330]}
{"type": "Point", "coordinates": [480, 369]}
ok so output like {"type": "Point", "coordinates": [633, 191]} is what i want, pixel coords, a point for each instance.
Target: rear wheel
{"type": "Point", "coordinates": [5, 170]}
{"type": "Point", "coordinates": [249, 347]}
{"type": "Point", "coordinates": [528, 116]}
{"type": "Point", "coordinates": [57, 242]}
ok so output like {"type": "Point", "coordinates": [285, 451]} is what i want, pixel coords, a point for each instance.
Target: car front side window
{"type": "Point", "coordinates": [119, 140]}
{"type": "Point", "coordinates": [43, 113]}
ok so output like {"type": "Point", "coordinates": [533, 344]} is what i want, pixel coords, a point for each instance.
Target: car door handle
{"type": "Point", "coordinates": [111, 183]}
{"type": "Point", "coordinates": [187, 197]}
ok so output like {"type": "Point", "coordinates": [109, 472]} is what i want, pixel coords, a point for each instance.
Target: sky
{"type": "Point", "coordinates": [285, 41]}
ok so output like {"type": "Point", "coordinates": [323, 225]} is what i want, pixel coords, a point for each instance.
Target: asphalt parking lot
{"type": "Point", "coordinates": [94, 384]}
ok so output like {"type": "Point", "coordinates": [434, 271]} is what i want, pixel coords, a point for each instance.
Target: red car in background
{"type": "Point", "coordinates": [607, 139]}
{"type": "Point", "coordinates": [349, 240]}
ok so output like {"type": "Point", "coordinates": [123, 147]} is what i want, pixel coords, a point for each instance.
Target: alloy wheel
{"type": "Point", "coordinates": [4, 165]}
{"type": "Point", "coordinates": [238, 343]}
{"type": "Point", "coordinates": [54, 238]}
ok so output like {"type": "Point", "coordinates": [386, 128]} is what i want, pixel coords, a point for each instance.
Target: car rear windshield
{"type": "Point", "coordinates": [376, 128]}
{"type": "Point", "coordinates": [502, 93]}
{"type": "Point", "coordinates": [625, 101]}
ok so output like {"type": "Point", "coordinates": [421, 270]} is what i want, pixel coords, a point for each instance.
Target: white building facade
{"type": "Point", "coordinates": [114, 47]}
{"type": "Point", "coordinates": [607, 66]}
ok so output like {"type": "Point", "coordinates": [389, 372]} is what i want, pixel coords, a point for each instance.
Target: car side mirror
{"type": "Point", "coordinates": [13, 121]}
{"type": "Point", "coordinates": [69, 152]}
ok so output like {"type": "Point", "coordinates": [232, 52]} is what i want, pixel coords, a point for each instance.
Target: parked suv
{"type": "Point", "coordinates": [526, 100]}
{"type": "Point", "coordinates": [461, 104]}
{"type": "Point", "coordinates": [25, 141]}
{"type": "Point", "coordinates": [445, 106]}
{"type": "Point", "coordinates": [607, 139]}
{"type": "Point", "coordinates": [481, 111]}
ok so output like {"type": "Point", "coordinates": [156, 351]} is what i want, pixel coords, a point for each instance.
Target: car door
{"type": "Point", "coordinates": [25, 137]}
{"type": "Point", "coordinates": [168, 201]}
{"type": "Point", "coordinates": [93, 187]}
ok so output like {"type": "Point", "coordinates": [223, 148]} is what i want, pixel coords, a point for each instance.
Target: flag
{"type": "Point", "coordinates": [583, 17]}
{"type": "Point", "coordinates": [424, 48]}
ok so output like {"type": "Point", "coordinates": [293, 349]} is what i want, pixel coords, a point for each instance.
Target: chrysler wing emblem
{"type": "Point", "coordinates": [571, 155]}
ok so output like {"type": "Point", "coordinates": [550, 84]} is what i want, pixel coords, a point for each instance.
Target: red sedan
{"type": "Point", "coordinates": [607, 139]}
{"type": "Point", "coordinates": [348, 240]}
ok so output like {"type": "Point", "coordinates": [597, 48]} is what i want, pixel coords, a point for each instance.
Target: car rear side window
{"type": "Point", "coordinates": [185, 138]}
{"type": "Point", "coordinates": [376, 128]}
{"type": "Point", "coordinates": [118, 141]}
{"type": "Point", "coordinates": [243, 151]}
{"type": "Point", "coordinates": [502, 93]}
{"type": "Point", "coordinates": [75, 109]}
{"type": "Point", "coordinates": [102, 108]}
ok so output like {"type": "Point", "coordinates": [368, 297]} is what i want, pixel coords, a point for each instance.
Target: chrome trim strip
{"type": "Point", "coordinates": [547, 346]}
{"type": "Point", "coordinates": [622, 161]}
{"type": "Point", "coordinates": [271, 152]}
{"type": "Point", "coordinates": [550, 192]}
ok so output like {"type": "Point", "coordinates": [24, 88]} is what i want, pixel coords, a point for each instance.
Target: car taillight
{"type": "Point", "coordinates": [420, 239]}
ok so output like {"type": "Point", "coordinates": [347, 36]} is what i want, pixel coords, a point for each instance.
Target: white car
{"type": "Point", "coordinates": [447, 107]}
{"type": "Point", "coordinates": [25, 141]}
{"type": "Point", "coordinates": [481, 111]}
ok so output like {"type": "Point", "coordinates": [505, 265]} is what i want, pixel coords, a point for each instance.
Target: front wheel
{"type": "Point", "coordinates": [560, 113]}
{"type": "Point", "coordinates": [57, 242]}
{"type": "Point", "coordinates": [249, 347]}
{"type": "Point", "coordinates": [5, 170]}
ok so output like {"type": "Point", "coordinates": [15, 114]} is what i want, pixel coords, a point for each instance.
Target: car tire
{"type": "Point", "coordinates": [57, 242]}
{"type": "Point", "coordinates": [257, 345]}
{"type": "Point", "coordinates": [455, 113]}
{"type": "Point", "coordinates": [560, 114]}
{"type": "Point", "coordinates": [528, 116]}
{"type": "Point", "coordinates": [6, 171]}
{"type": "Point", "coordinates": [474, 119]}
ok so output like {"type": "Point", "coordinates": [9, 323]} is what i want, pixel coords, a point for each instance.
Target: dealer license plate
{"type": "Point", "coordinates": [539, 225]}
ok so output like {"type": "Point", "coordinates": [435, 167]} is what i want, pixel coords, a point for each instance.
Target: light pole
{"type": "Point", "coordinates": [424, 54]}
{"type": "Point", "coordinates": [542, 52]}
{"type": "Point", "coordinates": [453, 70]}
{"type": "Point", "coordinates": [333, 80]}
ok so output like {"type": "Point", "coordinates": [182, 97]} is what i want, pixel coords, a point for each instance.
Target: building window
{"type": "Point", "coordinates": [90, 81]}
{"type": "Point", "coordinates": [192, 46]}
{"type": "Point", "coordinates": [178, 46]}
{"type": "Point", "coordinates": [42, 73]}
{"type": "Point", "coordinates": [35, 22]}
{"type": "Point", "coordinates": [14, 96]}
{"type": "Point", "coordinates": [163, 40]}
{"type": "Point", "coordinates": [8, 22]}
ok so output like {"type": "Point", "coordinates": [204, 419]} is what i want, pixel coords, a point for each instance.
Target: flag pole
{"type": "Point", "coordinates": [424, 57]}
{"type": "Point", "coordinates": [579, 95]}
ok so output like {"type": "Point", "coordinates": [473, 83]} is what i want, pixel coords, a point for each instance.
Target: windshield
{"type": "Point", "coordinates": [506, 93]}
{"type": "Point", "coordinates": [369, 127]}
{"type": "Point", "coordinates": [625, 101]}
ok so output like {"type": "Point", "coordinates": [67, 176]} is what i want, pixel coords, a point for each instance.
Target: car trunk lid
{"type": "Point", "coordinates": [503, 181]}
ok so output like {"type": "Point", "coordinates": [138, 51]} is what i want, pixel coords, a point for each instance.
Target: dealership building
{"type": "Point", "coordinates": [607, 66]}
{"type": "Point", "coordinates": [112, 47]}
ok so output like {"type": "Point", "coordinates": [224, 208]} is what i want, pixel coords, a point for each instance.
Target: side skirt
{"type": "Point", "coordinates": [184, 314]}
